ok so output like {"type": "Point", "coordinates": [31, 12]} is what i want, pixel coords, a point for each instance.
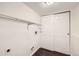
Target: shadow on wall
{"type": "Point", "coordinates": [74, 45]}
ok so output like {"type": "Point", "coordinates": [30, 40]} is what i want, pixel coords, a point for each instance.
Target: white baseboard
{"type": "Point", "coordinates": [34, 51]}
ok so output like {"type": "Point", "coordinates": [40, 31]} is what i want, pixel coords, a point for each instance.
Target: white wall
{"type": "Point", "coordinates": [46, 35]}
{"type": "Point", "coordinates": [14, 35]}
{"type": "Point", "coordinates": [34, 38]}
{"type": "Point", "coordinates": [19, 10]}
{"type": "Point", "coordinates": [75, 31]}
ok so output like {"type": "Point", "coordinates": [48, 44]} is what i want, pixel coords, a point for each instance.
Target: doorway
{"type": "Point", "coordinates": [56, 32]}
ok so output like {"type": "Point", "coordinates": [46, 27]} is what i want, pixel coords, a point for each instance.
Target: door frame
{"type": "Point", "coordinates": [69, 27]}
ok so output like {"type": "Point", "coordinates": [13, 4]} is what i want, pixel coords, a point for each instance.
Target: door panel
{"type": "Point", "coordinates": [61, 33]}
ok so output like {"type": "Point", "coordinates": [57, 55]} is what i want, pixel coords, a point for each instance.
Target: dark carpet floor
{"type": "Point", "coordinates": [45, 52]}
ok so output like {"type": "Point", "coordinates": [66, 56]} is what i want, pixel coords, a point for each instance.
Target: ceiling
{"type": "Point", "coordinates": [50, 9]}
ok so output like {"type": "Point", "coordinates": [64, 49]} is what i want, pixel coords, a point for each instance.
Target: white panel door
{"type": "Point", "coordinates": [61, 33]}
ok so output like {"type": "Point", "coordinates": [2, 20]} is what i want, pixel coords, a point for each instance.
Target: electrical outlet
{"type": "Point", "coordinates": [8, 50]}
{"type": "Point", "coordinates": [35, 32]}
{"type": "Point", "coordinates": [32, 48]}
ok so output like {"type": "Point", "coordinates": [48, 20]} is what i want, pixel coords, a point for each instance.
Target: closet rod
{"type": "Point", "coordinates": [17, 19]}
